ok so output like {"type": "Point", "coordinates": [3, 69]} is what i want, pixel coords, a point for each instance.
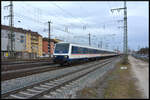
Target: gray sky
{"type": "Point", "coordinates": [81, 18]}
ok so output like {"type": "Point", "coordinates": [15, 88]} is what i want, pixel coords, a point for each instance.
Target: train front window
{"type": "Point", "coordinates": [62, 48]}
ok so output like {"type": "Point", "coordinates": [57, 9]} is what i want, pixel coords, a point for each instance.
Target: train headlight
{"type": "Point", "coordinates": [65, 56]}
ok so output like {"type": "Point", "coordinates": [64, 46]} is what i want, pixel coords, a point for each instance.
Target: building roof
{"type": "Point", "coordinates": [52, 40]}
{"type": "Point", "coordinates": [15, 29]}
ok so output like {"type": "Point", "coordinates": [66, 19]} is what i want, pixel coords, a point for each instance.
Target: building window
{"type": "Point", "coordinates": [4, 35]}
{"type": "Point", "coordinates": [22, 36]}
{"type": "Point", "coordinates": [22, 39]}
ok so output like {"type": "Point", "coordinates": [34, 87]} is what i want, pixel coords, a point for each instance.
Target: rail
{"type": "Point", "coordinates": [41, 88]}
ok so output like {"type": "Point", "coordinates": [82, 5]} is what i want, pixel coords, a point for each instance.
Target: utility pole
{"type": "Point", "coordinates": [11, 24]}
{"type": "Point", "coordinates": [89, 39]}
{"type": "Point", "coordinates": [125, 37]}
{"type": "Point", "coordinates": [98, 45]}
{"type": "Point", "coordinates": [125, 33]}
{"type": "Point", "coordinates": [101, 44]}
{"type": "Point", "coordinates": [49, 39]}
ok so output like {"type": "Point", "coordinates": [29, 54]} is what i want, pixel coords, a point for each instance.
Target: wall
{"type": "Point", "coordinates": [45, 47]}
{"type": "Point", "coordinates": [19, 44]}
{"type": "Point", "coordinates": [4, 40]}
{"type": "Point", "coordinates": [20, 41]}
{"type": "Point", "coordinates": [40, 52]}
{"type": "Point", "coordinates": [25, 42]}
{"type": "Point", "coordinates": [28, 42]}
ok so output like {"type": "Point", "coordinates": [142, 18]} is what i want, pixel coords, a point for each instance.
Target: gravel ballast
{"type": "Point", "coordinates": [18, 83]}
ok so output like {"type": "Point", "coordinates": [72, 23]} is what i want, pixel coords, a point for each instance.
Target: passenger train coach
{"type": "Point", "coordinates": [68, 53]}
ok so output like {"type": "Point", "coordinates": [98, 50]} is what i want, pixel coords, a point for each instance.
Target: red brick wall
{"type": "Point", "coordinates": [45, 47]}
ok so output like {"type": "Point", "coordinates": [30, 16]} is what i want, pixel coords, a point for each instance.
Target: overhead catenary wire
{"type": "Point", "coordinates": [66, 12]}
{"type": "Point", "coordinates": [71, 14]}
{"type": "Point", "coordinates": [62, 28]}
{"type": "Point", "coordinates": [44, 23]}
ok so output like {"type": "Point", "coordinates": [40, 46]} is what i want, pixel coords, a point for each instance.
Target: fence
{"type": "Point", "coordinates": [5, 55]}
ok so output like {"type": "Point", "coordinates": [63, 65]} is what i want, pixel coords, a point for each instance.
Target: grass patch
{"type": "Point", "coordinates": [115, 84]}
{"type": "Point", "coordinates": [121, 84]}
{"type": "Point", "coordinates": [143, 59]}
{"type": "Point", "coordinates": [89, 92]}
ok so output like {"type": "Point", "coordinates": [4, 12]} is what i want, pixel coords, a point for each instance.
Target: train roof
{"type": "Point", "coordinates": [86, 46]}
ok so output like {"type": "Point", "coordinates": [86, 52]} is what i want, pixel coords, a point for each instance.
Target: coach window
{"type": "Point", "coordinates": [74, 50]}
{"type": "Point", "coordinates": [96, 51]}
{"type": "Point", "coordinates": [85, 51]}
{"type": "Point", "coordinates": [93, 51]}
{"type": "Point", "coordinates": [89, 51]}
{"type": "Point", "coordinates": [82, 50]}
{"type": "Point", "coordinates": [79, 50]}
{"type": "Point", "coordinates": [100, 51]}
{"type": "Point", "coordinates": [103, 52]}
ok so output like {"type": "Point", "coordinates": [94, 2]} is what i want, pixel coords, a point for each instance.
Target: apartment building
{"type": "Point", "coordinates": [26, 43]}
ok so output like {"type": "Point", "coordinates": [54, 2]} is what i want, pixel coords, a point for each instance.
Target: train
{"type": "Point", "coordinates": [67, 53]}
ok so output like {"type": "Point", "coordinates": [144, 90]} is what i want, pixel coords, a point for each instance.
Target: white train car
{"type": "Point", "coordinates": [68, 52]}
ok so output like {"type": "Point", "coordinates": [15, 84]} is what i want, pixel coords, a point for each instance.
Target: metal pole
{"type": "Point", "coordinates": [49, 22]}
{"type": "Point", "coordinates": [101, 44]}
{"type": "Point", "coordinates": [125, 37]}
{"type": "Point", "coordinates": [89, 40]}
{"type": "Point", "coordinates": [11, 39]}
{"type": "Point", "coordinates": [11, 29]}
{"type": "Point", "coordinates": [125, 34]}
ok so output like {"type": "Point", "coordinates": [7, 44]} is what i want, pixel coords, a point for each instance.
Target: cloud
{"type": "Point", "coordinates": [95, 16]}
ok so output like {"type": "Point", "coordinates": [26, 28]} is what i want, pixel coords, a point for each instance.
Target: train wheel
{"type": "Point", "coordinates": [62, 64]}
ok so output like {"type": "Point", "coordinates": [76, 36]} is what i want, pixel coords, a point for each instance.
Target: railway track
{"type": "Point", "coordinates": [24, 65]}
{"type": "Point", "coordinates": [22, 70]}
{"type": "Point", "coordinates": [45, 89]}
{"type": "Point", "coordinates": [12, 74]}
{"type": "Point", "coordinates": [23, 62]}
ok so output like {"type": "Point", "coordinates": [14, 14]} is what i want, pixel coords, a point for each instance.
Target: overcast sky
{"type": "Point", "coordinates": [73, 21]}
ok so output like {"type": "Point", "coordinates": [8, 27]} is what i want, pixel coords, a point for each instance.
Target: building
{"type": "Point", "coordinates": [26, 43]}
{"type": "Point", "coordinates": [45, 46]}
{"type": "Point", "coordinates": [34, 43]}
